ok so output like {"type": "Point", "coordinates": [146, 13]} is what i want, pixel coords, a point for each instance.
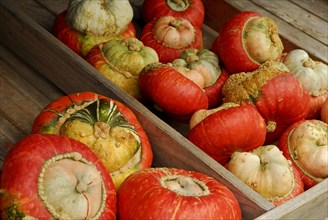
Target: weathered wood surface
{"type": "Point", "coordinates": [31, 78]}
{"type": "Point", "coordinates": [23, 94]}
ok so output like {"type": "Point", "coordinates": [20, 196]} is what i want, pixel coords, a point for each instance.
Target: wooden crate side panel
{"type": "Point", "coordinates": [44, 53]}
{"type": "Point", "coordinates": [317, 7]}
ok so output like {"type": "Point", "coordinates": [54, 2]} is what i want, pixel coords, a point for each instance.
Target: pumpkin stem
{"type": "Point", "coordinates": [133, 46]}
{"type": "Point", "coordinates": [179, 2]}
{"type": "Point", "coordinates": [271, 126]}
{"type": "Point", "coordinates": [264, 161]}
{"type": "Point", "coordinates": [192, 58]}
{"type": "Point", "coordinates": [175, 23]}
{"type": "Point", "coordinates": [309, 63]}
{"type": "Point", "coordinates": [101, 130]}
{"type": "Point", "coordinates": [81, 187]}
{"type": "Point", "coordinates": [178, 5]}
{"type": "Point", "coordinates": [322, 142]}
{"type": "Point", "coordinates": [185, 186]}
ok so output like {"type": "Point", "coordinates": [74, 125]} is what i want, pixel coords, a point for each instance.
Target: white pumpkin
{"type": "Point", "coordinates": [308, 145]}
{"type": "Point", "coordinates": [268, 172]}
{"type": "Point", "coordinates": [99, 17]}
{"type": "Point", "coordinates": [312, 74]}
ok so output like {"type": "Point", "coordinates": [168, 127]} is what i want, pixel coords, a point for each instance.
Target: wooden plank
{"type": "Point", "coordinates": [303, 206]}
{"type": "Point", "coordinates": [40, 13]}
{"type": "Point", "coordinates": [317, 7]}
{"type": "Point", "coordinates": [55, 7]}
{"type": "Point", "coordinates": [293, 38]}
{"type": "Point", "coordinates": [298, 17]}
{"type": "Point", "coordinates": [19, 104]}
{"type": "Point", "coordinates": [31, 76]}
{"type": "Point", "coordinates": [9, 135]}
{"type": "Point", "coordinates": [75, 75]}
{"type": "Point", "coordinates": [23, 94]}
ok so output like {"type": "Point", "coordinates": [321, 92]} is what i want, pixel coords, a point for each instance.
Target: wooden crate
{"type": "Point", "coordinates": [54, 69]}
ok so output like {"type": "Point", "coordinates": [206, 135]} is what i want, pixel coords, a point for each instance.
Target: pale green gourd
{"type": "Point", "coordinates": [125, 59]}
{"type": "Point", "coordinates": [312, 74]}
{"type": "Point", "coordinates": [204, 61]}
{"type": "Point", "coordinates": [261, 169]}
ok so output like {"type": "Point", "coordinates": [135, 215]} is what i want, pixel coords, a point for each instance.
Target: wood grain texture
{"type": "Point", "coordinates": [298, 17]}
{"type": "Point", "coordinates": [316, 7]}
{"type": "Point", "coordinates": [19, 106]}
{"type": "Point", "coordinates": [9, 135]}
{"type": "Point", "coordinates": [23, 94]}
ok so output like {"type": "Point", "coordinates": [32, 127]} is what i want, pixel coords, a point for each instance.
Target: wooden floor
{"type": "Point", "coordinates": [23, 94]}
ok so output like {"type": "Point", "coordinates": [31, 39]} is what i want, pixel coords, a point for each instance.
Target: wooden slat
{"type": "Point", "coordinates": [23, 93]}
{"type": "Point", "coordinates": [17, 107]}
{"type": "Point", "coordinates": [30, 76]}
{"type": "Point", "coordinates": [55, 7]}
{"type": "Point", "coordinates": [298, 17]}
{"type": "Point", "coordinates": [75, 75]}
{"type": "Point", "coordinates": [316, 7]}
{"type": "Point", "coordinates": [9, 135]}
{"type": "Point", "coordinates": [40, 13]}
{"type": "Point", "coordinates": [15, 100]}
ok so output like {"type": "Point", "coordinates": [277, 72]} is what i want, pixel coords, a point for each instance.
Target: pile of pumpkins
{"type": "Point", "coordinates": [256, 109]}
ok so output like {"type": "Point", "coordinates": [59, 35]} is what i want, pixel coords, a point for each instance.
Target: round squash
{"type": "Point", "coordinates": [105, 125]}
{"type": "Point", "coordinates": [88, 23]}
{"type": "Point", "coordinates": [121, 61]}
{"type": "Point", "coordinates": [277, 94]}
{"type": "Point", "coordinates": [169, 36]}
{"type": "Point", "coordinates": [313, 75]}
{"type": "Point", "coordinates": [47, 176]}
